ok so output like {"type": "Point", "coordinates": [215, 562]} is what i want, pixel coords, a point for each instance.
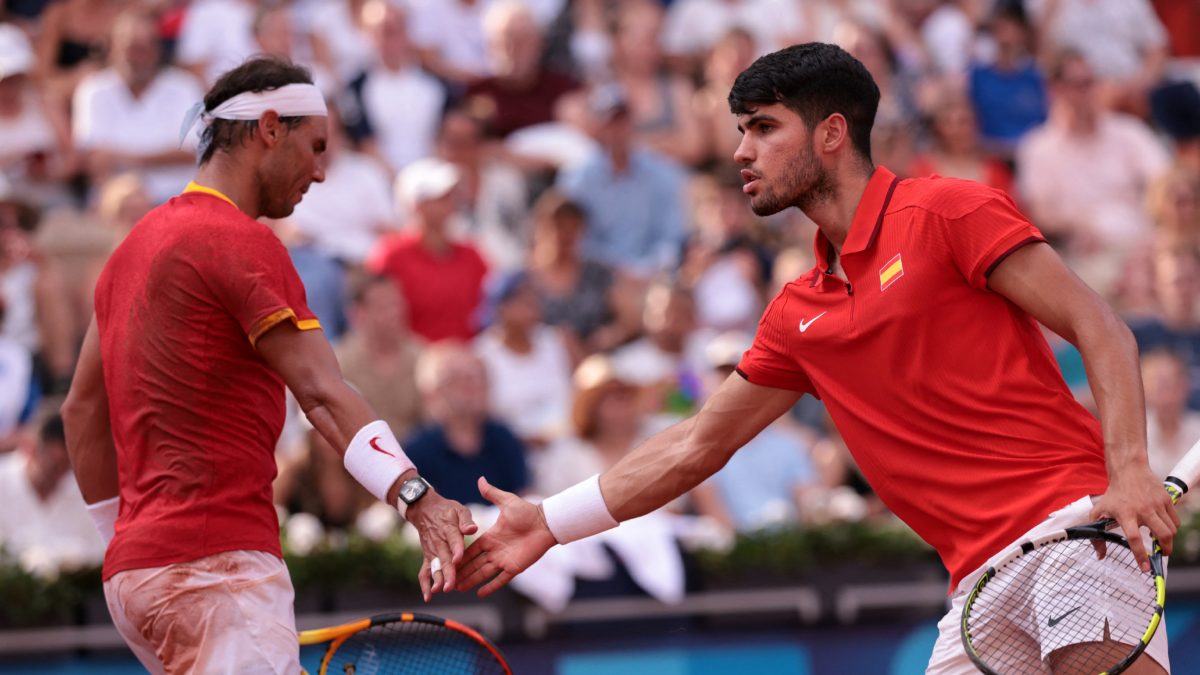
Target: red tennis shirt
{"type": "Point", "coordinates": [945, 392]}
{"type": "Point", "coordinates": [195, 411]}
{"type": "Point", "coordinates": [443, 291]}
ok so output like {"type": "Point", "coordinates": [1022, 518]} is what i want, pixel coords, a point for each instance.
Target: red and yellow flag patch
{"type": "Point", "coordinates": [891, 272]}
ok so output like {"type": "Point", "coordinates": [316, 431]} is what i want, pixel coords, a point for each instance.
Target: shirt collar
{"type": "Point", "coordinates": [193, 186]}
{"type": "Point", "coordinates": [868, 218]}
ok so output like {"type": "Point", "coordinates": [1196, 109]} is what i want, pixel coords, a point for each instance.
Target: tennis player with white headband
{"type": "Point", "coordinates": [178, 398]}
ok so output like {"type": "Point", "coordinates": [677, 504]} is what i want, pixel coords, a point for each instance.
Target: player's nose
{"type": "Point", "coordinates": [745, 151]}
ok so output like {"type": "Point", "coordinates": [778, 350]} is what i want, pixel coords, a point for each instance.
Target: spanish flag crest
{"type": "Point", "coordinates": [891, 272]}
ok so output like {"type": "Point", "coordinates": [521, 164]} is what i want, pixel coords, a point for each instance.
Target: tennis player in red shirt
{"type": "Point", "coordinates": [178, 398]}
{"type": "Point", "coordinates": [918, 328]}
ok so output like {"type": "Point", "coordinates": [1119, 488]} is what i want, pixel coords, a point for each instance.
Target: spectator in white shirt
{"type": "Point", "coordinates": [44, 523]}
{"type": "Point", "coordinates": [449, 34]}
{"type": "Point", "coordinates": [216, 36]}
{"type": "Point", "coordinates": [1083, 175]}
{"type": "Point", "coordinates": [127, 117]}
{"type": "Point", "coordinates": [399, 105]}
{"type": "Point", "coordinates": [529, 372]}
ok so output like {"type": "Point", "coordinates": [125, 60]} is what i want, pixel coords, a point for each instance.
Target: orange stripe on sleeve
{"type": "Point", "coordinates": [275, 318]}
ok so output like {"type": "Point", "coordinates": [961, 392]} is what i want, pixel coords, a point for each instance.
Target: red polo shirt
{"type": "Point", "coordinates": [945, 392]}
{"type": "Point", "coordinates": [443, 291]}
{"type": "Point", "coordinates": [195, 410]}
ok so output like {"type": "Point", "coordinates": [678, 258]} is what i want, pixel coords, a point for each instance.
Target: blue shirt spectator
{"type": "Point", "coordinates": [500, 459]}
{"type": "Point", "coordinates": [633, 196]}
{"type": "Point", "coordinates": [1007, 102]}
{"type": "Point", "coordinates": [325, 285]}
{"type": "Point", "coordinates": [760, 485]}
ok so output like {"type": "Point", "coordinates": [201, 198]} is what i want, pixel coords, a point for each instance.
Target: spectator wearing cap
{"type": "Point", "coordinates": [462, 440]}
{"type": "Point", "coordinates": [607, 421]}
{"type": "Point", "coordinates": [633, 196]}
{"type": "Point", "coordinates": [396, 104]}
{"type": "Point", "coordinates": [127, 116]}
{"type": "Point", "coordinates": [441, 279]}
{"type": "Point", "coordinates": [767, 482]}
{"type": "Point", "coordinates": [519, 90]}
{"type": "Point", "coordinates": [529, 370]}
{"type": "Point", "coordinates": [33, 149]}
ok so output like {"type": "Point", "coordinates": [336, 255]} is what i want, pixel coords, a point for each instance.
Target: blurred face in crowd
{"type": "Point", "coordinates": [617, 410]}
{"type": "Point", "coordinates": [780, 167]}
{"type": "Point", "coordinates": [636, 40]}
{"type": "Point", "coordinates": [669, 316]}
{"type": "Point", "coordinates": [1177, 285]}
{"type": "Point", "coordinates": [1075, 90]}
{"type": "Point", "coordinates": [136, 49]}
{"type": "Point", "coordinates": [12, 92]}
{"type": "Point", "coordinates": [433, 214]}
{"type": "Point", "coordinates": [290, 166]}
{"type": "Point", "coordinates": [380, 314]}
{"type": "Point", "coordinates": [460, 139]}
{"type": "Point", "coordinates": [1010, 35]}
{"type": "Point", "coordinates": [388, 29]}
{"type": "Point", "coordinates": [522, 310]}
{"type": "Point", "coordinates": [1166, 381]}
{"type": "Point", "coordinates": [733, 54]}
{"type": "Point", "coordinates": [865, 45]}
{"type": "Point", "coordinates": [514, 45]}
{"type": "Point", "coordinates": [954, 125]}
{"type": "Point", "coordinates": [273, 31]}
{"type": "Point", "coordinates": [1175, 205]}
{"type": "Point", "coordinates": [461, 386]}
{"type": "Point", "coordinates": [557, 236]}
{"type": "Point", "coordinates": [614, 131]}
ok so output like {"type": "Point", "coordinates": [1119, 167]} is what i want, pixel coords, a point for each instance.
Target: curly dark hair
{"type": "Point", "coordinates": [814, 80]}
{"type": "Point", "coordinates": [259, 73]}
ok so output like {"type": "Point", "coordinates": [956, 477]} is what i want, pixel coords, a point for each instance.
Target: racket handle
{"type": "Point", "coordinates": [1185, 474]}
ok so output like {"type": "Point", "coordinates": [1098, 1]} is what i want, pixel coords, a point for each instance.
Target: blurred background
{"type": "Point", "coordinates": [531, 251]}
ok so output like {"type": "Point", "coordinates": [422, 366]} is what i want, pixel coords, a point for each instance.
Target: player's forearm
{"type": "Point", "coordinates": [663, 468]}
{"type": "Point", "coordinates": [91, 448]}
{"type": "Point", "coordinates": [1110, 356]}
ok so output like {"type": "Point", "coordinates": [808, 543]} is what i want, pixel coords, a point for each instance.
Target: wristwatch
{"type": "Point", "coordinates": [411, 491]}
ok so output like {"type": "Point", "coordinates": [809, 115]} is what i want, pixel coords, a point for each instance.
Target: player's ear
{"type": "Point", "coordinates": [270, 129]}
{"type": "Point", "coordinates": [832, 133]}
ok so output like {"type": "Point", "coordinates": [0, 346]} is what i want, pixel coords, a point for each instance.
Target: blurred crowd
{"type": "Point", "coordinates": [531, 249]}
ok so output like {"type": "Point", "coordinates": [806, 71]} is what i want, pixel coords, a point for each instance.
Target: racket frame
{"type": "Point", "coordinates": [337, 635]}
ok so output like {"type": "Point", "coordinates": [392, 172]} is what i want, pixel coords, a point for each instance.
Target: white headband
{"type": "Point", "coordinates": [290, 100]}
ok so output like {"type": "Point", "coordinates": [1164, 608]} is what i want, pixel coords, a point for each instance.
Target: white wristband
{"type": "Point", "coordinates": [104, 515]}
{"type": "Point", "coordinates": [578, 512]}
{"type": "Point", "coordinates": [376, 459]}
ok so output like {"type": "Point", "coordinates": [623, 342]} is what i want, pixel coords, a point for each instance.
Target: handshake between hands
{"type": "Point", "coordinates": [518, 539]}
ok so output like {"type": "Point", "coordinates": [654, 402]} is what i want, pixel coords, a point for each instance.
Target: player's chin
{"type": "Point", "coordinates": [765, 205]}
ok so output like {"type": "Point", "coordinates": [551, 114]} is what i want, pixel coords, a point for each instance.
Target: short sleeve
{"type": "Point", "coordinates": [767, 362]}
{"type": "Point", "coordinates": [982, 238]}
{"type": "Point", "coordinates": [254, 279]}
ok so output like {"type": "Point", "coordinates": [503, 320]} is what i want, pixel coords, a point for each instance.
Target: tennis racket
{"type": "Point", "coordinates": [405, 644]}
{"type": "Point", "coordinates": [1072, 601]}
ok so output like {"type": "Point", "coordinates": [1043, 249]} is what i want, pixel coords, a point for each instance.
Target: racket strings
{"type": "Point", "coordinates": [412, 648]}
{"type": "Point", "coordinates": [1059, 609]}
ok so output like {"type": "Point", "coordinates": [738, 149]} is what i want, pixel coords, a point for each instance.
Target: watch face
{"type": "Point", "coordinates": [411, 489]}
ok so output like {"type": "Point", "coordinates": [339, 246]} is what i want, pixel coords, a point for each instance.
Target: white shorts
{"type": "Point", "coordinates": [950, 658]}
{"type": "Point", "coordinates": [227, 613]}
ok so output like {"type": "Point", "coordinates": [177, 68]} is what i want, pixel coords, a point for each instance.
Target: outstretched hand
{"type": "Point", "coordinates": [518, 539]}
{"type": "Point", "coordinates": [1136, 498]}
{"type": "Point", "coordinates": [441, 524]}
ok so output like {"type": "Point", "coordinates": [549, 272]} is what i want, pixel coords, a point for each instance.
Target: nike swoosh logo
{"type": "Point", "coordinates": [805, 324]}
{"type": "Point", "coordinates": [376, 447]}
{"type": "Point", "coordinates": [1053, 622]}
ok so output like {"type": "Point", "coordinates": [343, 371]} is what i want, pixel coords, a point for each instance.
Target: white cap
{"type": "Point", "coordinates": [16, 56]}
{"type": "Point", "coordinates": [425, 179]}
